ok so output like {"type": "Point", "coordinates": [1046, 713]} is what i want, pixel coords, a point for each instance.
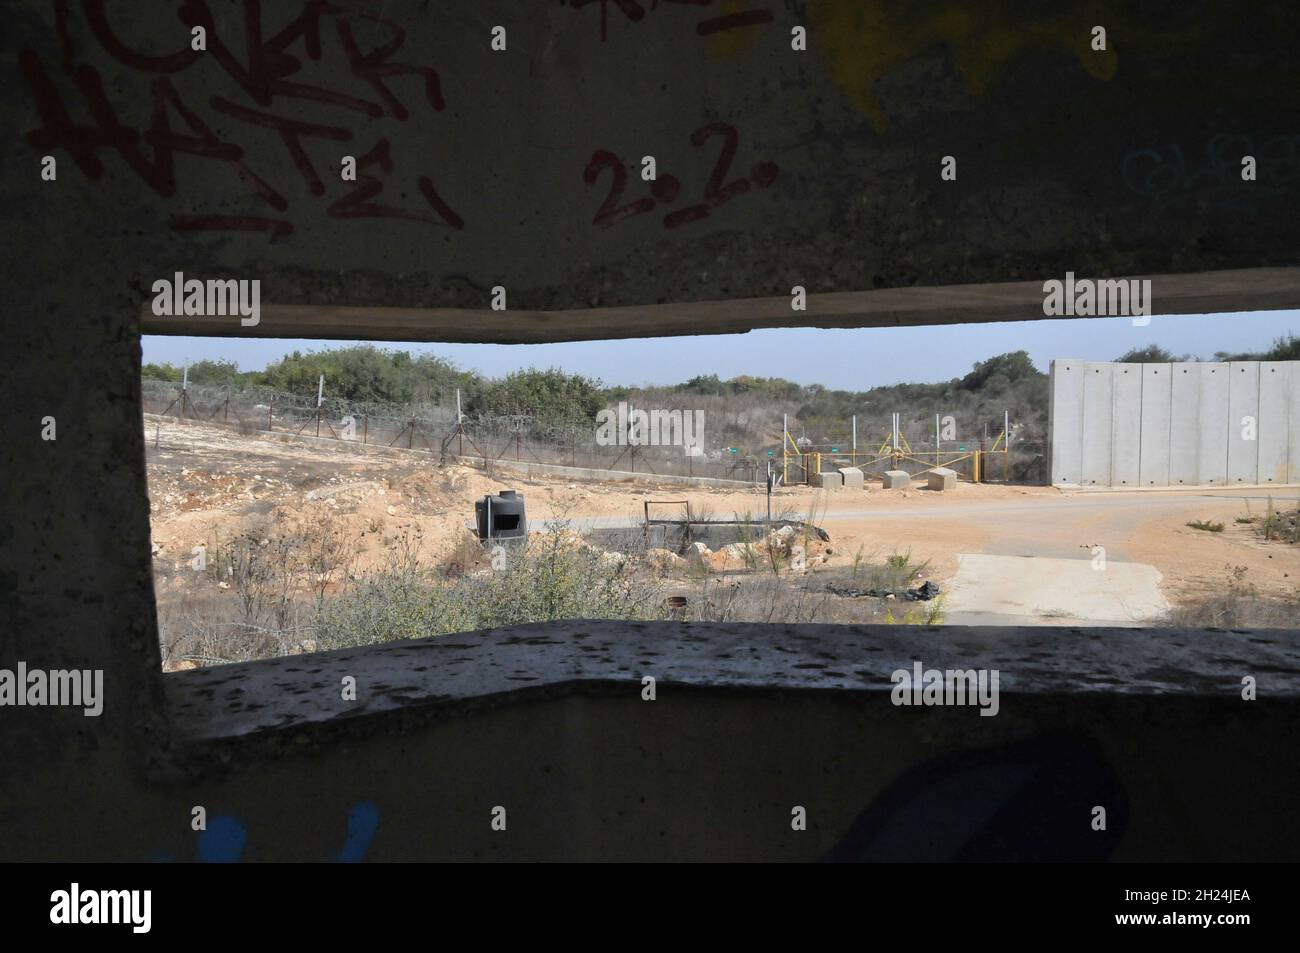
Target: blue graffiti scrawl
{"type": "Point", "coordinates": [225, 837]}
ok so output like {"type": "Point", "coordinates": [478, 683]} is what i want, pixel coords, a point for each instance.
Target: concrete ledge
{"type": "Point", "coordinates": [896, 480]}
{"type": "Point", "coordinates": [1242, 289]}
{"type": "Point", "coordinates": [828, 481]}
{"type": "Point", "coordinates": [452, 673]}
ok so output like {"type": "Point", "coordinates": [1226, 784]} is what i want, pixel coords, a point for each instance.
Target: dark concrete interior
{"type": "Point", "coordinates": [482, 169]}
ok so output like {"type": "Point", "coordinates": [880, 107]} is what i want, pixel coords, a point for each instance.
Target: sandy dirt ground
{"type": "Point", "coordinates": [207, 480]}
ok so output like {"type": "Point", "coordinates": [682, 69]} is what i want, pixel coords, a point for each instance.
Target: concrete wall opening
{"type": "Point", "coordinates": [336, 498]}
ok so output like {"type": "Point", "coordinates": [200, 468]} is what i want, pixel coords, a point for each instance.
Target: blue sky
{"type": "Point", "coordinates": [844, 360]}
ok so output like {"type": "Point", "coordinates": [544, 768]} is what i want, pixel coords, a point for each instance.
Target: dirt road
{"type": "Point", "coordinates": [207, 479]}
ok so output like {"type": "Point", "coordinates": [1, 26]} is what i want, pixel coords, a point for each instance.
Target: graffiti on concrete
{"type": "Point", "coordinates": [737, 15]}
{"type": "Point", "coordinates": [1166, 175]}
{"type": "Point", "coordinates": [269, 76]}
{"type": "Point", "coordinates": [666, 188]}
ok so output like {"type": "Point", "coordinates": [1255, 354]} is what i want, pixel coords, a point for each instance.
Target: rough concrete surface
{"type": "Point", "coordinates": [816, 169]}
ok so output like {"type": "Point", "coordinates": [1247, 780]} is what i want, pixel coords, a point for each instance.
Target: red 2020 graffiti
{"type": "Point", "coordinates": [262, 77]}
{"type": "Point", "coordinates": [666, 188]}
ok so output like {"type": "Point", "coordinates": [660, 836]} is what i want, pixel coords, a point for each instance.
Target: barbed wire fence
{"type": "Point", "coordinates": [437, 428]}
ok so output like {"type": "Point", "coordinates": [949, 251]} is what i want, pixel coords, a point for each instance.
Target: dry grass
{"type": "Point", "coordinates": [1238, 605]}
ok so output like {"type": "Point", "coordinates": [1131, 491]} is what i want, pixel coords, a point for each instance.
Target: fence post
{"type": "Point", "coordinates": [365, 428]}
{"type": "Point", "coordinates": [270, 411]}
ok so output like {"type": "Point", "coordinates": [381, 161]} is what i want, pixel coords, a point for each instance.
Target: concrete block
{"type": "Point", "coordinates": [1126, 425]}
{"type": "Point", "coordinates": [1244, 443]}
{"type": "Point", "coordinates": [1184, 411]}
{"type": "Point", "coordinates": [941, 478]}
{"type": "Point", "coordinates": [1273, 413]}
{"type": "Point", "coordinates": [1098, 392]}
{"type": "Point", "coordinates": [853, 478]}
{"type": "Point", "coordinates": [828, 481]}
{"type": "Point", "coordinates": [1153, 465]}
{"type": "Point", "coordinates": [897, 480]}
{"type": "Point", "coordinates": [1065, 420]}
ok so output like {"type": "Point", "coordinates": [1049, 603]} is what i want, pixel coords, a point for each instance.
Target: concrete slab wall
{"type": "Point", "coordinates": [1157, 384]}
{"type": "Point", "coordinates": [1194, 424]}
{"type": "Point", "coordinates": [1184, 410]}
{"type": "Point", "coordinates": [1293, 428]}
{"type": "Point", "coordinates": [1274, 421]}
{"type": "Point", "coordinates": [1126, 425]}
{"type": "Point", "coordinates": [1243, 422]}
{"type": "Point", "coordinates": [1097, 417]}
{"type": "Point", "coordinates": [1212, 425]}
{"type": "Point", "coordinates": [1065, 421]}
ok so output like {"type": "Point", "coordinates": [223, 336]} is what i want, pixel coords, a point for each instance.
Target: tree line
{"type": "Point", "coordinates": [366, 373]}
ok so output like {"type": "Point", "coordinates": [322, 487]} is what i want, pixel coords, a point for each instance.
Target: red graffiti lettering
{"type": "Point", "coordinates": [357, 203]}
{"type": "Point", "coordinates": [733, 21]}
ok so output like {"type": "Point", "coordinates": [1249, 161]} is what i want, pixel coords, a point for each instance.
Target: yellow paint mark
{"type": "Point", "coordinates": [863, 40]}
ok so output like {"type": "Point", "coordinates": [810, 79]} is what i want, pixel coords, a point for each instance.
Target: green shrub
{"type": "Point", "coordinates": [549, 578]}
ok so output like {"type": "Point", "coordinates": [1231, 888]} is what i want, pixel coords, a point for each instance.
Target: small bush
{"type": "Point", "coordinates": [1207, 526]}
{"type": "Point", "coordinates": [1238, 604]}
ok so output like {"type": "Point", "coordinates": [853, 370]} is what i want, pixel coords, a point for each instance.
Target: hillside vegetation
{"type": "Point", "coordinates": [745, 411]}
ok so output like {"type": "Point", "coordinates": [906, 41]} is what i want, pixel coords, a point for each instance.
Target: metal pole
{"type": "Point", "coordinates": [1006, 446]}
{"type": "Point", "coordinates": [270, 409]}
{"type": "Point", "coordinates": [785, 439]}
{"type": "Point", "coordinates": [460, 429]}
{"type": "Point", "coordinates": [936, 435]}
{"type": "Point", "coordinates": [320, 397]}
